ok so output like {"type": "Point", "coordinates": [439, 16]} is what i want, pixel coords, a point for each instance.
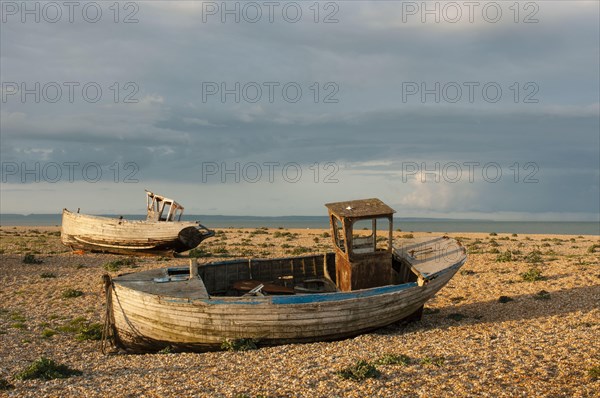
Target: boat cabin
{"type": "Point", "coordinates": [362, 236]}
{"type": "Point", "coordinates": [160, 208]}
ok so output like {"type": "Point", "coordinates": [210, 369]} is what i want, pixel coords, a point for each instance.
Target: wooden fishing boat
{"type": "Point", "coordinates": [365, 284]}
{"type": "Point", "coordinates": [162, 232]}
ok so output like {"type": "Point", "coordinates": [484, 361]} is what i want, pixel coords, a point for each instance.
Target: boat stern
{"type": "Point", "coordinates": [191, 237]}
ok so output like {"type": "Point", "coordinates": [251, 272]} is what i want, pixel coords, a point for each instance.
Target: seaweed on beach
{"type": "Point", "coordinates": [46, 369]}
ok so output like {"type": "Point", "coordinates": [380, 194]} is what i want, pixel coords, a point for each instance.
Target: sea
{"type": "Point", "coordinates": [321, 222]}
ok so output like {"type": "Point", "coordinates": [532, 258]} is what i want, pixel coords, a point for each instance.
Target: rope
{"type": "Point", "coordinates": [109, 335]}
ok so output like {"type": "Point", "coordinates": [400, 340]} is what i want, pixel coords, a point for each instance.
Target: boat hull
{"type": "Point", "coordinates": [112, 235]}
{"type": "Point", "coordinates": [148, 322]}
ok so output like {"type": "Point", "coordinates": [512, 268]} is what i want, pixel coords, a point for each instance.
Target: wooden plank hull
{"type": "Point", "coordinates": [146, 322]}
{"type": "Point", "coordinates": [112, 235]}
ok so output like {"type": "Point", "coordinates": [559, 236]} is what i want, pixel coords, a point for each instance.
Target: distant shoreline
{"type": "Point", "coordinates": [322, 222]}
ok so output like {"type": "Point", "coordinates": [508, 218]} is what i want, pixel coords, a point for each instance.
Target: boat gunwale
{"type": "Point", "coordinates": [284, 299]}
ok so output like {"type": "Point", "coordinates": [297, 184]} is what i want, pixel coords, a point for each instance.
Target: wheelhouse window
{"type": "Point", "coordinates": [162, 209]}
{"type": "Point", "coordinates": [371, 235]}
{"type": "Point", "coordinates": [338, 233]}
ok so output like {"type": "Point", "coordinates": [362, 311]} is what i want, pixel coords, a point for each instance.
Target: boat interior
{"type": "Point", "coordinates": [410, 260]}
{"type": "Point", "coordinates": [290, 275]}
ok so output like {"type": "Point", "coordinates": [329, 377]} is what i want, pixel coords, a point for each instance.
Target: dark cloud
{"type": "Point", "coordinates": [368, 55]}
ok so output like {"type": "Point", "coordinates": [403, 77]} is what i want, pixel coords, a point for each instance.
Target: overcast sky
{"type": "Point", "coordinates": [393, 104]}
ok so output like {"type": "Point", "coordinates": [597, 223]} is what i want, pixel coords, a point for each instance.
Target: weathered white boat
{"type": "Point", "coordinates": [364, 285]}
{"type": "Point", "coordinates": [162, 232]}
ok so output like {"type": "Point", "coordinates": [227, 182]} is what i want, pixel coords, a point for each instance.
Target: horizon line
{"type": "Point", "coordinates": [321, 216]}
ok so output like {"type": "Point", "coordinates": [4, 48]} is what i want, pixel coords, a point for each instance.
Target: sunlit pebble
{"type": "Point", "coordinates": [521, 347]}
